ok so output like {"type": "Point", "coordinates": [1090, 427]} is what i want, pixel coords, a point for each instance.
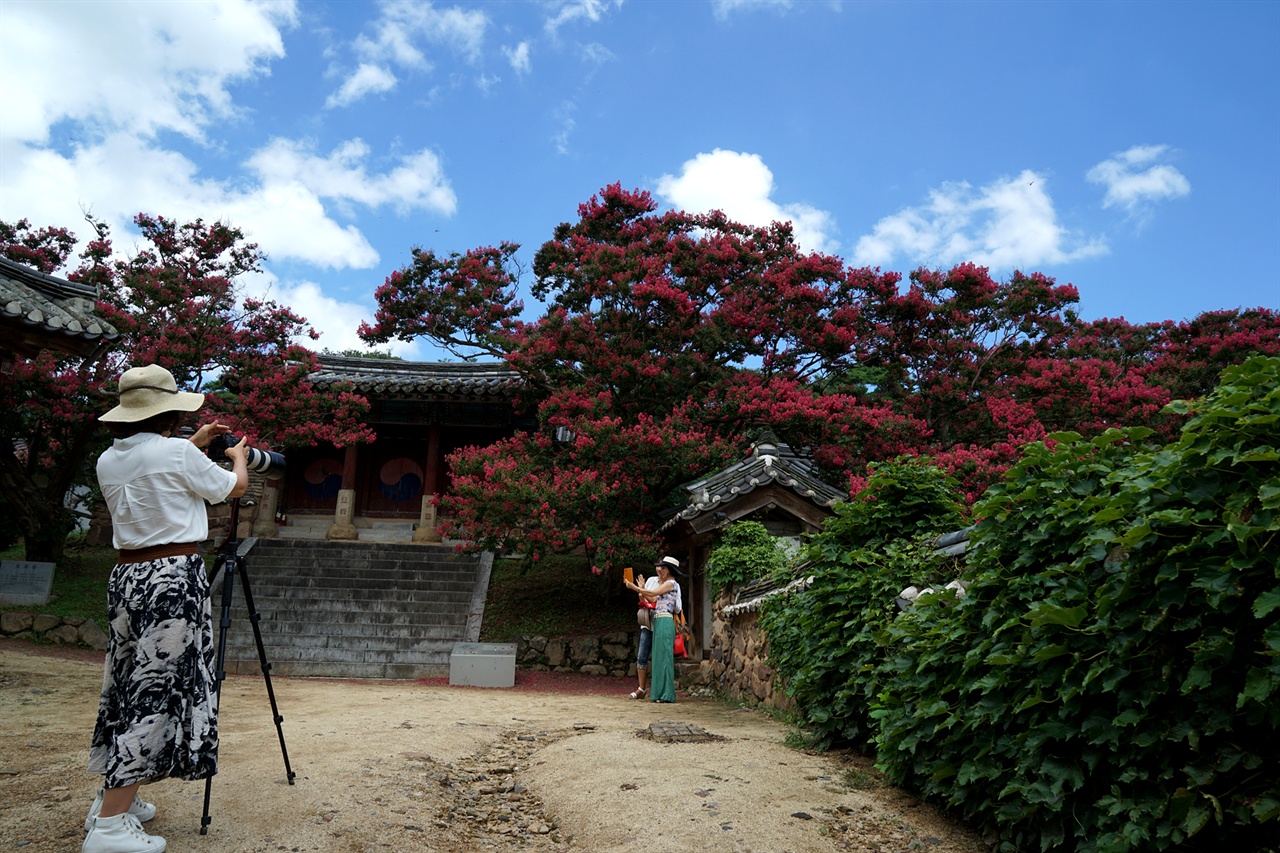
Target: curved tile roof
{"type": "Point", "coordinates": [767, 464]}
{"type": "Point", "coordinates": [383, 377]}
{"type": "Point", "coordinates": [42, 310]}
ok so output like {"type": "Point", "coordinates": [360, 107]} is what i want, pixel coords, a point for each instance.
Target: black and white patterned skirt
{"type": "Point", "coordinates": [158, 715]}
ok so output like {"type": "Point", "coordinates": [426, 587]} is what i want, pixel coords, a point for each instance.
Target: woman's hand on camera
{"type": "Point", "coordinates": [238, 452]}
{"type": "Point", "coordinates": [207, 433]}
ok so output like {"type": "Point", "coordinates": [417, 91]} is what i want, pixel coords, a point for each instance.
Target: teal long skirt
{"type": "Point", "coordinates": [662, 679]}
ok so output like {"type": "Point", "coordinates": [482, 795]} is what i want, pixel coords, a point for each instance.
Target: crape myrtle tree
{"type": "Point", "coordinates": [177, 303]}
{"type": "Point", "coordinates": [668, 338]}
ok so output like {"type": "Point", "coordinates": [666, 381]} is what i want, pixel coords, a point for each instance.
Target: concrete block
{"type": "Point", "coordinates": [483, 664]}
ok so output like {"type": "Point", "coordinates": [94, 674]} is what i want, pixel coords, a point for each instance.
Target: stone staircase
{"type": "Point", "coordinates": [354, 609]}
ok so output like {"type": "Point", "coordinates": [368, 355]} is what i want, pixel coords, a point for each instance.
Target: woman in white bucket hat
{"type": "Point", "coordinates": [666, 597]}
{"type": "Point", "coordinates": [157, 716]}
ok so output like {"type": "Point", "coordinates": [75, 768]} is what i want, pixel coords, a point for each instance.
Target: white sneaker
{"type": "Point", "coordinates": [139, 808]}
{"type": "Point", "coordinates": [120, 833]}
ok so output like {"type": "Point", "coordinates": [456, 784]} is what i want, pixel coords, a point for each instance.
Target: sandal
{"type": "Point", "coordinates": [638, 693]}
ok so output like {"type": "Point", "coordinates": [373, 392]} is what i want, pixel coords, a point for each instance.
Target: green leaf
{"type": "Point", "coordinates": [1258, 685]}
{"type": "Point", "coordinates": [1042, 613]}
{"type": "Point", "coordinates": [1266, 808]}
{"type": "Point", "coordinates": [1266, 602]}
{"type": "Point", "coordinates": [1049, 652]}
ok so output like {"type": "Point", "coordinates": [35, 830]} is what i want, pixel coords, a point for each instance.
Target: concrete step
{"type": "Point", "coordinates": [325, 589]}
{"type": "Point", "coordinates": [355, 609]}
{"type": "Point", "coordinates": [341, 669]}
{"type": "Point", "coordinates": [300, 630]}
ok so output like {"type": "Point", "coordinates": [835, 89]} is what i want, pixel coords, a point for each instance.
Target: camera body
{"type": "Point", "coordinates": [266, 462]}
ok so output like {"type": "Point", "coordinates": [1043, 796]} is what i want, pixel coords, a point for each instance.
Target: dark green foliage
{"type": "Point", "coordinates": [1111, 681]}
{"type": "Point", "coordinates": [823, 640]}
{"type": "Point", "coordinates": [746, 552]}
{"type": "Point", "coordinates": [550, 600]}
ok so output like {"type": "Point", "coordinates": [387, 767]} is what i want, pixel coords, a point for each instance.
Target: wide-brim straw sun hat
{"type": "Point", "coordinates": [149, 391]}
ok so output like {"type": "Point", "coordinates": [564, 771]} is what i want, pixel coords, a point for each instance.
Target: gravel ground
{"type": "Point", "coordinates": [556, 764]}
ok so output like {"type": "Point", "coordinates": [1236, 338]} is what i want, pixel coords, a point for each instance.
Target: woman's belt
{"type": "Point", "coordinates": [157, 552]}
{"type": "Point", "coordinates": [668, 615]}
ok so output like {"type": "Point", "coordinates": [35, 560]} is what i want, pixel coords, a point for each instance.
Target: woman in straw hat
{"type": "Point", "coordinates": [666, 595]}
{"type": "Point", "coordinates": [157, 716]}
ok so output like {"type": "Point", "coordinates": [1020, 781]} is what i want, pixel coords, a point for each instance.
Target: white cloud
{"type": "Point", "coordinates": [1007, 224]}
{"type": "Point", "coordinates": [724, 8]}
{"type": "Point", "coordinates": [398, 37]}
{"type": "Point", "coordinates": [568, 124]}
{"type": "Point", "coordinates": [596, 54]}
{"type": "Point", "coordinates": [142, 66]}
{"type": "Point", "coordinates": [368, 79]}
{"type": "Point", "coordinates": [405, 22]}
{"type": "Point", "coordinates": [335, 320]}
{"type": "Point", "coordinates": [1132, 189]}
{"type": "Point", "coordinates": [568, 11]}
{"type": "Point", "coordinates": [417, 183]}
{"type": "Point", "coordinates": [286, 210]}
{"type": "Point", "coordinates": [518, 56]}
{"type": "Point", "coordinates": [741, 185]}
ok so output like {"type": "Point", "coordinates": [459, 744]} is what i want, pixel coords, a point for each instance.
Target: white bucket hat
{"type": "Point", "coordinates": [149, 391]}
{"type": "Point", "coordinates": [671, 563]}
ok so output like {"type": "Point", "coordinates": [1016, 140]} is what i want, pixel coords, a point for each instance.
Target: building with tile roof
{"type": "Point", "coordinates": [774, 485]}
{"type": "Point", "coordinates": [44, 312]}
{"type": "Point", "coordinates": [421, 412]}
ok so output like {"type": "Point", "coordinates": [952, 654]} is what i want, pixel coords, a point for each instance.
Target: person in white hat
{"type": "Point", "coordinates": [666, 597]}
{"type": "Point", "coordinates": [157, 716]}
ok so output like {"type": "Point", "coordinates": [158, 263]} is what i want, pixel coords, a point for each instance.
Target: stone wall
{"type": "Point", "coordinates": [612, 654]}
{"type": "Point", "coordinates": [738, 659]}
{"type": "Point", "coordinates": [71, 631]}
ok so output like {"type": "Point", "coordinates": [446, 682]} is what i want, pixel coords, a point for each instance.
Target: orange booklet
{"type": "Point", "coordinates": [628, 575]}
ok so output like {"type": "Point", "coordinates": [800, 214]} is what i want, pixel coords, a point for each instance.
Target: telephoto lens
{"type": "Point", "coordinates": [257, 461]}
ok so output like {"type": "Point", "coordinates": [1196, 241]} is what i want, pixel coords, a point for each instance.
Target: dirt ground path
{"type": "Point", "coordinates": [414, 766]}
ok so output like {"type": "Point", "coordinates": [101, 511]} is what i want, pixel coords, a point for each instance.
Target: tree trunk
{"type": "Point", "coordinates": [38, 507]}
{"type": "Point", "coordinates": [46, 544]}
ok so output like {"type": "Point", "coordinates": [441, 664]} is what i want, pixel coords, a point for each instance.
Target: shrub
{"type": "Point", "coordinates": [1109, 682]}
{"type": "Point", "coordinates": [746, 552]}
{"type": "Point", "coordinates": [823, 640]}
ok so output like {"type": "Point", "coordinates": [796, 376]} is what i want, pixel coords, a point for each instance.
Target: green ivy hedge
{"type": "Point", "coordinates": [1111, 679]}
{"type": "Point", "coordinates": [824, 640]}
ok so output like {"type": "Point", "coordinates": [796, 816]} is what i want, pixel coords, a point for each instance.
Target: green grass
{"type": "Point", "coordinates": [79, 581]}
{"type": "Point", "coordinates": [558, 598]}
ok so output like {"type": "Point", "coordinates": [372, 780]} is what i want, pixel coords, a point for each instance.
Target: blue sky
{"type": "Point", "coordinates": [1132, 149]}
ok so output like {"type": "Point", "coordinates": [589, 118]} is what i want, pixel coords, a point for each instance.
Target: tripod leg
{"type": "Point", "coordinates": [254, 617]}
{"type": "Point", "coordinates": [227, 562]}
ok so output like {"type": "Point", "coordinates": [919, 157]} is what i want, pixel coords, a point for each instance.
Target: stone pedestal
{"type": "Point", "coordinates": [264, 524]}
{"type": "Point", "coordinates": [426, 530]}
{"type": "Point", "coordinates": [343, 526]}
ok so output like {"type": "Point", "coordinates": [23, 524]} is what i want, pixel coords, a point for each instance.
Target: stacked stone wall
{"type": "Point", "coordinates": [738, 664]}
{"type": "Point", "coordinates": [68, 631]}
{"type": "Point", "coordinates": [611, 654]}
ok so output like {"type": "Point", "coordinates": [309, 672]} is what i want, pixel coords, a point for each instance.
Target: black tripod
{"type": "Point", "coordinates": [231, 559]}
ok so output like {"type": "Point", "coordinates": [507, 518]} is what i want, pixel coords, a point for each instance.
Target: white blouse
{"type": "Point", "coordinates": [156, 487]}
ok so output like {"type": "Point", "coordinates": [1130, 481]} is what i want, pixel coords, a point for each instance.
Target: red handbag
{"type": "Point", "coordinates": [679, 649]}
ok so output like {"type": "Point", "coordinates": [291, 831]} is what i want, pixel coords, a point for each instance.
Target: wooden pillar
{"type": "Point", "coordinates": [343, 526]}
